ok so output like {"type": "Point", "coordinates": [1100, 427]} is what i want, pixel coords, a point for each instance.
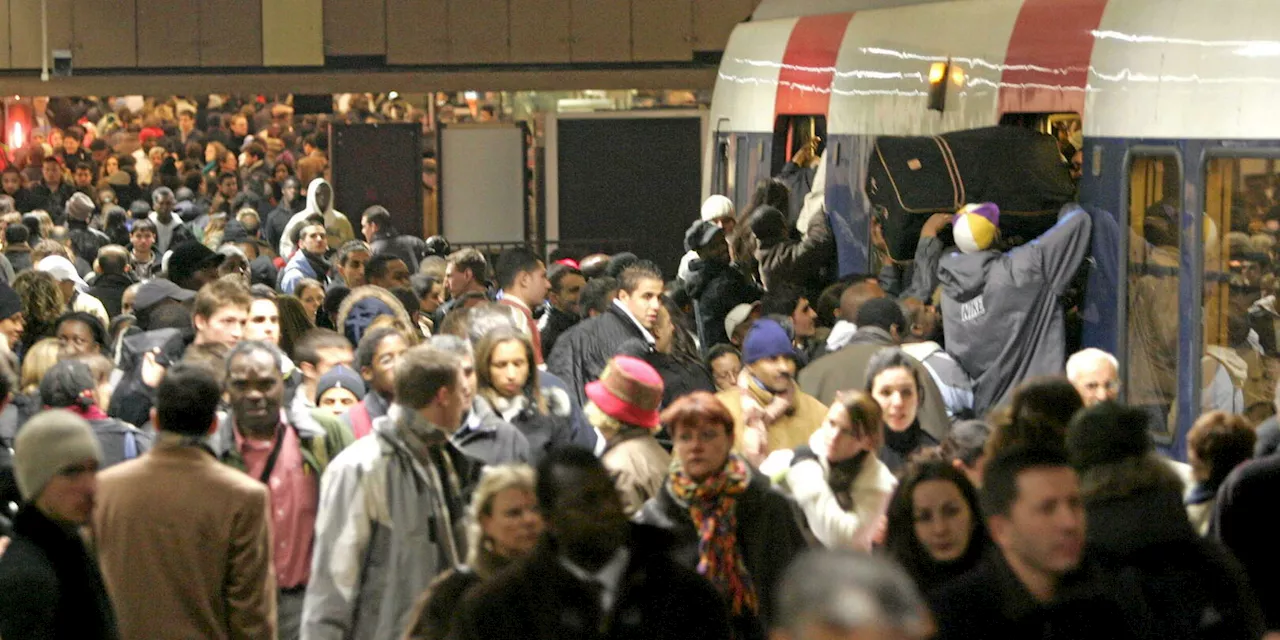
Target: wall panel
{"type": "Point", "coordinates": [601, 31]}
{"type": "Point", "coordinates": [292, 33]}
{"type": "Point", "coordinates": [230, 33]}
{"type": "Point", "coordinates": [24, 31]}
{"type": "Point", "coordinates": [540, 31]}
{"type": "Point", "coordinates": [4, 32]}
{"type": "Point", "coordinates": [479, 32]}
{"type": "Point", "coordinates": [168, 33]}
{"type": "Point", "coordinates": [105, 33]}
{"type": "Point", "coordinates": [355, 27]}
{"type": "Point", "coordinates": [661, 30]}
{"type": "Point", "coordinates": [714, 20]}
{"type": "Point", "coordinates": [417, 31]}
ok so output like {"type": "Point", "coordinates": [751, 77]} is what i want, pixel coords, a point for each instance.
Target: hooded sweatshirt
{"type": "Point", "coordinates": [988, 295]}
{"type": "Point", "coordinates": [336, 224]}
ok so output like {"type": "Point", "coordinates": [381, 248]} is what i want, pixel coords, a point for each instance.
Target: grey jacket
{"type": "Point", "coordinates": [381, 529]}
{"type": "Point", "coordinates": [1001, 313]}
{"type": "Point", "coordinates": [485, 436]}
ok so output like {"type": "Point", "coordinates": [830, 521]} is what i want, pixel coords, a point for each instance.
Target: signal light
{"type": "Point", "coordinates": [938, 74]}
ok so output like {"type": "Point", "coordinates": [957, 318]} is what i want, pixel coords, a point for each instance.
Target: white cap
{"type": "Point", "coordinates": [717, 207]}
{"type": "Point", "coordinates": [62, 270]}
{"type": "Point", "coordinates": [737, 316]}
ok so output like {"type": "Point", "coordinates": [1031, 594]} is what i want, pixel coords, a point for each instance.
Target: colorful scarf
{"type": "Point", "coordinates": [711, 506]}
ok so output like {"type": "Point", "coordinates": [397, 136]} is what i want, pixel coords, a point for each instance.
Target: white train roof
{"type": "Point", "coordinates": [1134, 68]}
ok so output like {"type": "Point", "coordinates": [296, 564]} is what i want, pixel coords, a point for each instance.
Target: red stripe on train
{"type": "Point", "coordinates": [1047, 65]}
{"type": "Point", "coordinates": [808, 65]}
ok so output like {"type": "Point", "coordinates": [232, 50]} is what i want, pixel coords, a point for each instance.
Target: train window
{"type": "Point", "coordinates": [1241, 362]}
{"type": "Point", "coordinates": [791, 133]}
{"type": "Point", "coordinates": [1151, 377]}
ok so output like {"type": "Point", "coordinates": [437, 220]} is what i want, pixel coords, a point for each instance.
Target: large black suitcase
{"type": "Point", "coordinates": [1022, 171]}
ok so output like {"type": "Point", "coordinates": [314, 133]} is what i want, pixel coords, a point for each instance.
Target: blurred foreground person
{"type": "Point", "coordinates": [504, 527]}
{"type": "Point", "coordinates": [50, 586]}
{"type": "Point", "coordinates": [1037, 585]}
{"type": "Point", "coordinates": [845, 595]}
{"type": "Point", "coordinates": [935, 528]}
{"type": "Point", "coordinates": [209, 575]}
{"type": "Point", "coordinates": [594, 575]}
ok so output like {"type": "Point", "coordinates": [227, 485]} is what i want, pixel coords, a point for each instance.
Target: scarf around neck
{"type": "Point", "coordinates": [761, 408]}
{"type": "Point", "coordinates": [711, 505]}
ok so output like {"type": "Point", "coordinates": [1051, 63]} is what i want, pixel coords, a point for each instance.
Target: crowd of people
{"type": "Point", "coordinates": [272, 420]}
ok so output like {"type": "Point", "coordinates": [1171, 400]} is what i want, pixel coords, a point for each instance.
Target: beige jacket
{"type": "Point", "coordinates": [638, 466]}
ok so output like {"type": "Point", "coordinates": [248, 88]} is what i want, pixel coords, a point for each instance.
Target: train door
{"type": "Point", "coordinates": [1241, 361]}
{"type": "Point", "coordinates": [1150, 355]}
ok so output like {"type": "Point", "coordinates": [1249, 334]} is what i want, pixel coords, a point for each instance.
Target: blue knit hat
{"type": "Point", "coordinates": [766, 339]}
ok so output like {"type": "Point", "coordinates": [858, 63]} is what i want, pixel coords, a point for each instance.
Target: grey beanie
{"type": "Point", "coordinates": [48, 444]}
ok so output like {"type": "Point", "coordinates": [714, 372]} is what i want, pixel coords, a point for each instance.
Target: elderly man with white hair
{"type": "Point", "coordinates": [1095, 374]}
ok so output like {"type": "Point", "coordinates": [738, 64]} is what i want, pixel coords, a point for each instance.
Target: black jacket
{"type": "Point", "coordinates": [555, 323]}
{"type": "Point", "coordinates": [409, 248]}
{"type": "Point", "coordinates": [1192, 587]}
{"type": "Point", "coordinates": [583, 351]}
{"type": "Point", "coordinates": [109, 288]}
{"type": "Point", "coordinates": [1241, 521]}
{"type": "Point", "coordinates": [50, 586]}
{"type": "Point", "coordinates": [680, 376]}
{"type": "Point", "coordinates": [19, 257]}
{"type": "Point", "coordinates": [538, 599]}
{"type": "Point", "coordinates": [771, 533]}
{"type": "Point", "coordinates": [716, 288]}
{"type": "Point", "coordinates": [991, 603]}
{"type": "Point", "coordinates": [485, 436]}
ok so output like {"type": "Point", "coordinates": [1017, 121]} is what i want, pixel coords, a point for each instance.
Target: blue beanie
{"type": "Point", "coordinates": [361, 316]}
{"type": "Point", "coordinates": [766, 339]}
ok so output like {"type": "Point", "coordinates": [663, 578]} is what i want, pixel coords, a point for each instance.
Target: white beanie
{"type": "Point", "coordinates": [717, 207]}
{"type": "Point", "coordinates": [49, 443]}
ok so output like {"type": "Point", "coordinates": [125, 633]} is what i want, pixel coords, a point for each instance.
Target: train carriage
{"type": "Point", "coordinates": [1174, 99]}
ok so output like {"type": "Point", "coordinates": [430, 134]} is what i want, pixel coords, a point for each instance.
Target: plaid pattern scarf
{"type": "Point", "coordinates": [711, 506]}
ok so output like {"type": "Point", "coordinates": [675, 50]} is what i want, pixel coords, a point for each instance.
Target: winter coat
{"type": "Point", "coordinates": [410, 249]}
{"type": "Point", "coordinates": [277, 220]}
{"type": "Point", "coordinates": [50, 585]}
{"type": "Point", "coordinates": [360, 417]}
{"type": "Point", "coordinates": [19, 257]}
{"type": "Point", "coordinates": [210, 574]}
{"type": "Point", "coordinates": [1242, 522]}
{"type": "Point", "coordinates": [544, 432]}
{"type": "Point", "coordinates": [716, 288]}
{"type": "Point", "coordinates": [581, 432]}
{"type": "Point", "coordinates": [846, 369]}
{"type": "Point", "coordinates": [680, 375]}
{"type": "Point", "coordinates": [805, 474]}
{"type": "Point", "coordinates": [637, 464]}
{"type": "Point", "coordinates": [991, 602]}
{"type": "Point", "coordinates": [485, 436]}
{"type": "Point", "coordinates": [899, 445]}
{"type": "Point", "coordinates": [538, 599]}
{"type": "Point", "coordinates": [551, 326]}
{"type": "Point", "coordinates": [86, 241]}
{"type": "Point", "coordinates": [321, 435]}
{"type": "Point", "coordinates": [1001, 312]}
{"type": "Point", "coordinates": [788, 431]}
{"type": "Point", "coordinates": [771, 533]}
{"type": "Point", "coordinates": [444, 597]}
{"type": "Point", "coordinates": [296, 269]}
{"type": "Point", "coordinates": [109, 290]}
{"type": "Point", "coordinates": [336, 225]}
{"type": "Point", "coordinates": [804, 263]}
{"type": "Point", "coordinates": [1192, 587]}
{"type": "Point", "coordinates": [379, 530]}
{"type": "Point", "coordinates": [583, 351]}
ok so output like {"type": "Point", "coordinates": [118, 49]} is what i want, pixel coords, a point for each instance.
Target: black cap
{"type": "Point", "coordinates": [1107, 432]}
{"type": "Point", "coordinates": [768, 223]}
{"type": "Point", "coordinates": [10, 303]}
{"type": "Point", "coordinates": [701, 234]}
{"type": "Point", "coordinates": [153, 291]}
{"type": "Point", "coordinates": [190, 257]}
{"type": "Point", "coordinates": [65, 384]}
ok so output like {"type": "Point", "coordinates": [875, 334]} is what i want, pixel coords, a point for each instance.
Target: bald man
{"type": "Point", "coordinates": [852, 299]}
{"type": "Point", "coordinates": [1095, 374]}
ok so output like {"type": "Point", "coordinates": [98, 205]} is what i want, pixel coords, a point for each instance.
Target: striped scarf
{"type": "Point", "coordinates": [711, 506]}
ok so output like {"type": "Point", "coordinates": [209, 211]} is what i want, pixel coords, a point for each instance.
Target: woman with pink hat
{"type": "Point", "coordinates": [623, 405]}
